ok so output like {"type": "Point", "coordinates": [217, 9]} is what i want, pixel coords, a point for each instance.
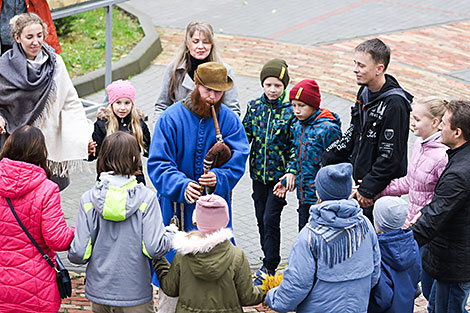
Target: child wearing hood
{"type": "Point", "coordinates": [119, 227]}
{"type": "Point", "coordinates": [208, 273]}
{"type": "Point", "coordinates": [335, 260]}
{"type": "Point", "coordinates": [401, 261]}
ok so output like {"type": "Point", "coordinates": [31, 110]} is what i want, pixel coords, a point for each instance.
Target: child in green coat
{"type": "Point", "coordinates": [208, 273]}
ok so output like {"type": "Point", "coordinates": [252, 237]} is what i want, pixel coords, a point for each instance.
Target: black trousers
{"type": "Point", "coordinates": [268, 208]}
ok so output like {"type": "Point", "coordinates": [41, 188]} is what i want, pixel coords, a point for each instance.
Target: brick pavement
{"type": "Point", "coordinates": [422, 60]}
{"type": "Point", "coordinates": [79, 304]}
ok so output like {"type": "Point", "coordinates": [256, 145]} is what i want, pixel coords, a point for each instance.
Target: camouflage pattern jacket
{"type": "Point", "coordinates": [311, 138]}
{"type": "Point", "coordinates": [268, 125]}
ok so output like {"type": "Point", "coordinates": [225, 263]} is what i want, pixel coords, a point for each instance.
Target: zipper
{"type": "Point", "coordinates": [266, 145]}
{"type": "Point", "coordinates": [300, 162]}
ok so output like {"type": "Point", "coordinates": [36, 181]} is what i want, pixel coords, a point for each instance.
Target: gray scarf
{"type": "Point", "coordinates": [25, 91]}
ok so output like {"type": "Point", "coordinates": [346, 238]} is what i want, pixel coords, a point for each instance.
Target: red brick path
{"type": "Point", "coordinates": [421, 59]}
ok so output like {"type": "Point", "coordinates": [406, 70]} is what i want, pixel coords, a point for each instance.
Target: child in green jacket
{"type": "Point", "coordinates": [208, 273]}
{"type": "Point", "coordinates": [268, 122]}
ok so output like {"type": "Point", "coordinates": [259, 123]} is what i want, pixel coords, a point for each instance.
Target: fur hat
{"type": "Point", "coordinates": [275, 68]}
{"type": "Point", "coordinates": [211, 214]}
{"type": "Point", "coordinates": [390, 213]}
{"type": "Point", "coordinates": [214, 76]}
{"type": "Point", "coordinates": [308, 92]}
{"type": "Point", "coordinates": [334, 182]}
{"type": "Point", "coordinates": [120, 89]}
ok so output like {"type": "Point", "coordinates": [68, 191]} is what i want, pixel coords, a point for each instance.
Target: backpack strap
{"type": "Point", "coordinates": [44, 255]}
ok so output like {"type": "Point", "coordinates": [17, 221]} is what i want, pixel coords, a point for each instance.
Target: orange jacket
{"type": "Point", "coordinates": [41, 8]}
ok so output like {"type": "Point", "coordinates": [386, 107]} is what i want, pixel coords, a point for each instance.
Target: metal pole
{"type": "Point", "coordinates": [108, 75]}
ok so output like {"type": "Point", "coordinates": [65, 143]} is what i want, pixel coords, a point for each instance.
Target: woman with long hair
{"type": "Point", "coordinates": [199, 47]}
{"type": "Point", "coordinates": [35, 89]}
{"type": "Point", "coordinates": [27, 281]}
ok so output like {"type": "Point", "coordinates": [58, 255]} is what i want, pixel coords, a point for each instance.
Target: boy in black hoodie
{"type": "Point", "coordinates": [376, 142]}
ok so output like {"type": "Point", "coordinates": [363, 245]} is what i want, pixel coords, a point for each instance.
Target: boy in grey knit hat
{"type": "Point", "coordinates": [400, 258]}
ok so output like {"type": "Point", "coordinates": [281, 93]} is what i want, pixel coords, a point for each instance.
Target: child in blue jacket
{"type": "Point", "coordinates": [268, 124]}
{"type": "Point", "coordinates": [401, 261]}
{"type": "Point", "coordinates": [335, 259]}
{"type": "Point", "coordinates": [316, 130]}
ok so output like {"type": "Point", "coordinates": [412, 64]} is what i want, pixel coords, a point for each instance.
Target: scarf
{"type": "Point", "coordinates": [26, 92]}
{"type": "Point", "coordinates": [342, 226]}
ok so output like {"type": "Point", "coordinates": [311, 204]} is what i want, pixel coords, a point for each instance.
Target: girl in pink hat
{"type": "Point", "coordinates": [120, 115]}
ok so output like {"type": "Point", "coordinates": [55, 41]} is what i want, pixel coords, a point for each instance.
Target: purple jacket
{"type": "Point", "coordinates": [428, 160]}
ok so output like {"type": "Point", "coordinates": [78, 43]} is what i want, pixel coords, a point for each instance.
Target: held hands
{"type": "Point", "coordinates": [3, 124]}
{"type": "Point", "coordinates": [92, 147]}
{"type": "Point", "coordinates": [363, 201]}
{"type": "Point", "coordinates": [280, 190]}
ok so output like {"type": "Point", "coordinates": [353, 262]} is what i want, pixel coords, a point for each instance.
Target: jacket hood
{"type": "Point", "coordinates": [336, 213]}
{"type": "Point", "coordinates": [210, 255]}
{"type": "Point", "coordinates": [390, 83]}
{"type": "Point", "coordinates": [18, 178]}
{"type": "Point", "coordinates": [397, 249]}
{"type": "Point", "coordinates": [115, 197]}
{"type": "Point", "coordinates": [321, 116]}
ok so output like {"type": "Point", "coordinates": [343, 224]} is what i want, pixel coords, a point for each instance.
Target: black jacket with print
{"type": "Point", "coordinates": [376, 142]}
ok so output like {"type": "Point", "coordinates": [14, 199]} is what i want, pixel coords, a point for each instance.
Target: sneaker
{"type": "Point", "coordinates": [260, 276]}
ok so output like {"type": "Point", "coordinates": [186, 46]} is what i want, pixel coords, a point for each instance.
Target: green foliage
{"type": "Point", "coordinates": [83, 39]}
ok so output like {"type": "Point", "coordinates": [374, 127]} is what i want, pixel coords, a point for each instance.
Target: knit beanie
{"type": "Point", "coordinates": [211, 214]}
{"type": "Point", "coordinates": [390, 213]}
{"type": "Point", "coordinates": [120, 89]}
{"type": "Point", "coordinates": [308, 92]}
{"type": "Point", "coordinates": [334, 182]}
{"type": "Point", "coordinates": [275, 68]}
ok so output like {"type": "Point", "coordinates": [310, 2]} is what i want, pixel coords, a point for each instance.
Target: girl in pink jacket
{"type": "Point", "coordinates": [27, 282]}
{"type": "Point", "coordinates": [428, 159]}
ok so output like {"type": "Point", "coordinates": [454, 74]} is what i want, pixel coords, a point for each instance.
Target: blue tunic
{"type": "Point", "coordinates": [178, 147]}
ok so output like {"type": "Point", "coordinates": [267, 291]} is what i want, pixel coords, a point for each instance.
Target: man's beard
{"type": "Point", "coordinates": [202, 107]}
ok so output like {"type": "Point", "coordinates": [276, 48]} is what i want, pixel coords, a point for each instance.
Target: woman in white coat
{"type": "Point", "coordinates": [35, 89]}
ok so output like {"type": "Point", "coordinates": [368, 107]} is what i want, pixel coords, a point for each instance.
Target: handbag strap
{"type": "Point", "coordinates": [44, 255]}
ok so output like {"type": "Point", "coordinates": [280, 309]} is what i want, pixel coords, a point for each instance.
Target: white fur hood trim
{"type": "Point", "coordinates": [194, 242]}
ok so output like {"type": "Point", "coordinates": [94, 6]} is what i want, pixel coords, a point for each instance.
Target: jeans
{"type": "Point", "coordinates": [268, 209]}
{"type": "Point", "coordinates": [448, 297]}
{"type": "Point", "coordinates": [304, 214]}
{"type": "Point", "coordinates": [426, 280]}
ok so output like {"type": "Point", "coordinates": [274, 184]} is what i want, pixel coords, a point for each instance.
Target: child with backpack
{"type": "Point", "coordinates": [335, 260]}
{"type": "Point", "coordinates": [208, 273]}
{"type": "Point", "coordinates": [316, 130]}
{"type": "Point", "coordinates": [120, 115]}
{"type": "Point", "coordinates": [268, 124]}
{"type": "Point", "coordinates": [400, 259]}
{"type": "Point", "coordinates": [119, 227]}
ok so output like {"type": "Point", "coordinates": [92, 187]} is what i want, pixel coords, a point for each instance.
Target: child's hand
{"type": "Point", "coordinates": [290, 181]}
{"type": "Point", "coordinates": [172, 227]}
{"type": "Point", "coordinates": [279, 190]}
{"type": "Point", "coordinates": [92, 147]}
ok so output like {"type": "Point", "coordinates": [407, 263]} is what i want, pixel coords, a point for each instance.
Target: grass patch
{"type": "Point", "coordinates": [83, 39]}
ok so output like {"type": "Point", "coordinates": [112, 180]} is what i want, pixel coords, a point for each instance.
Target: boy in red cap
{"type": "Point", "coordinates": [316, 130]}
